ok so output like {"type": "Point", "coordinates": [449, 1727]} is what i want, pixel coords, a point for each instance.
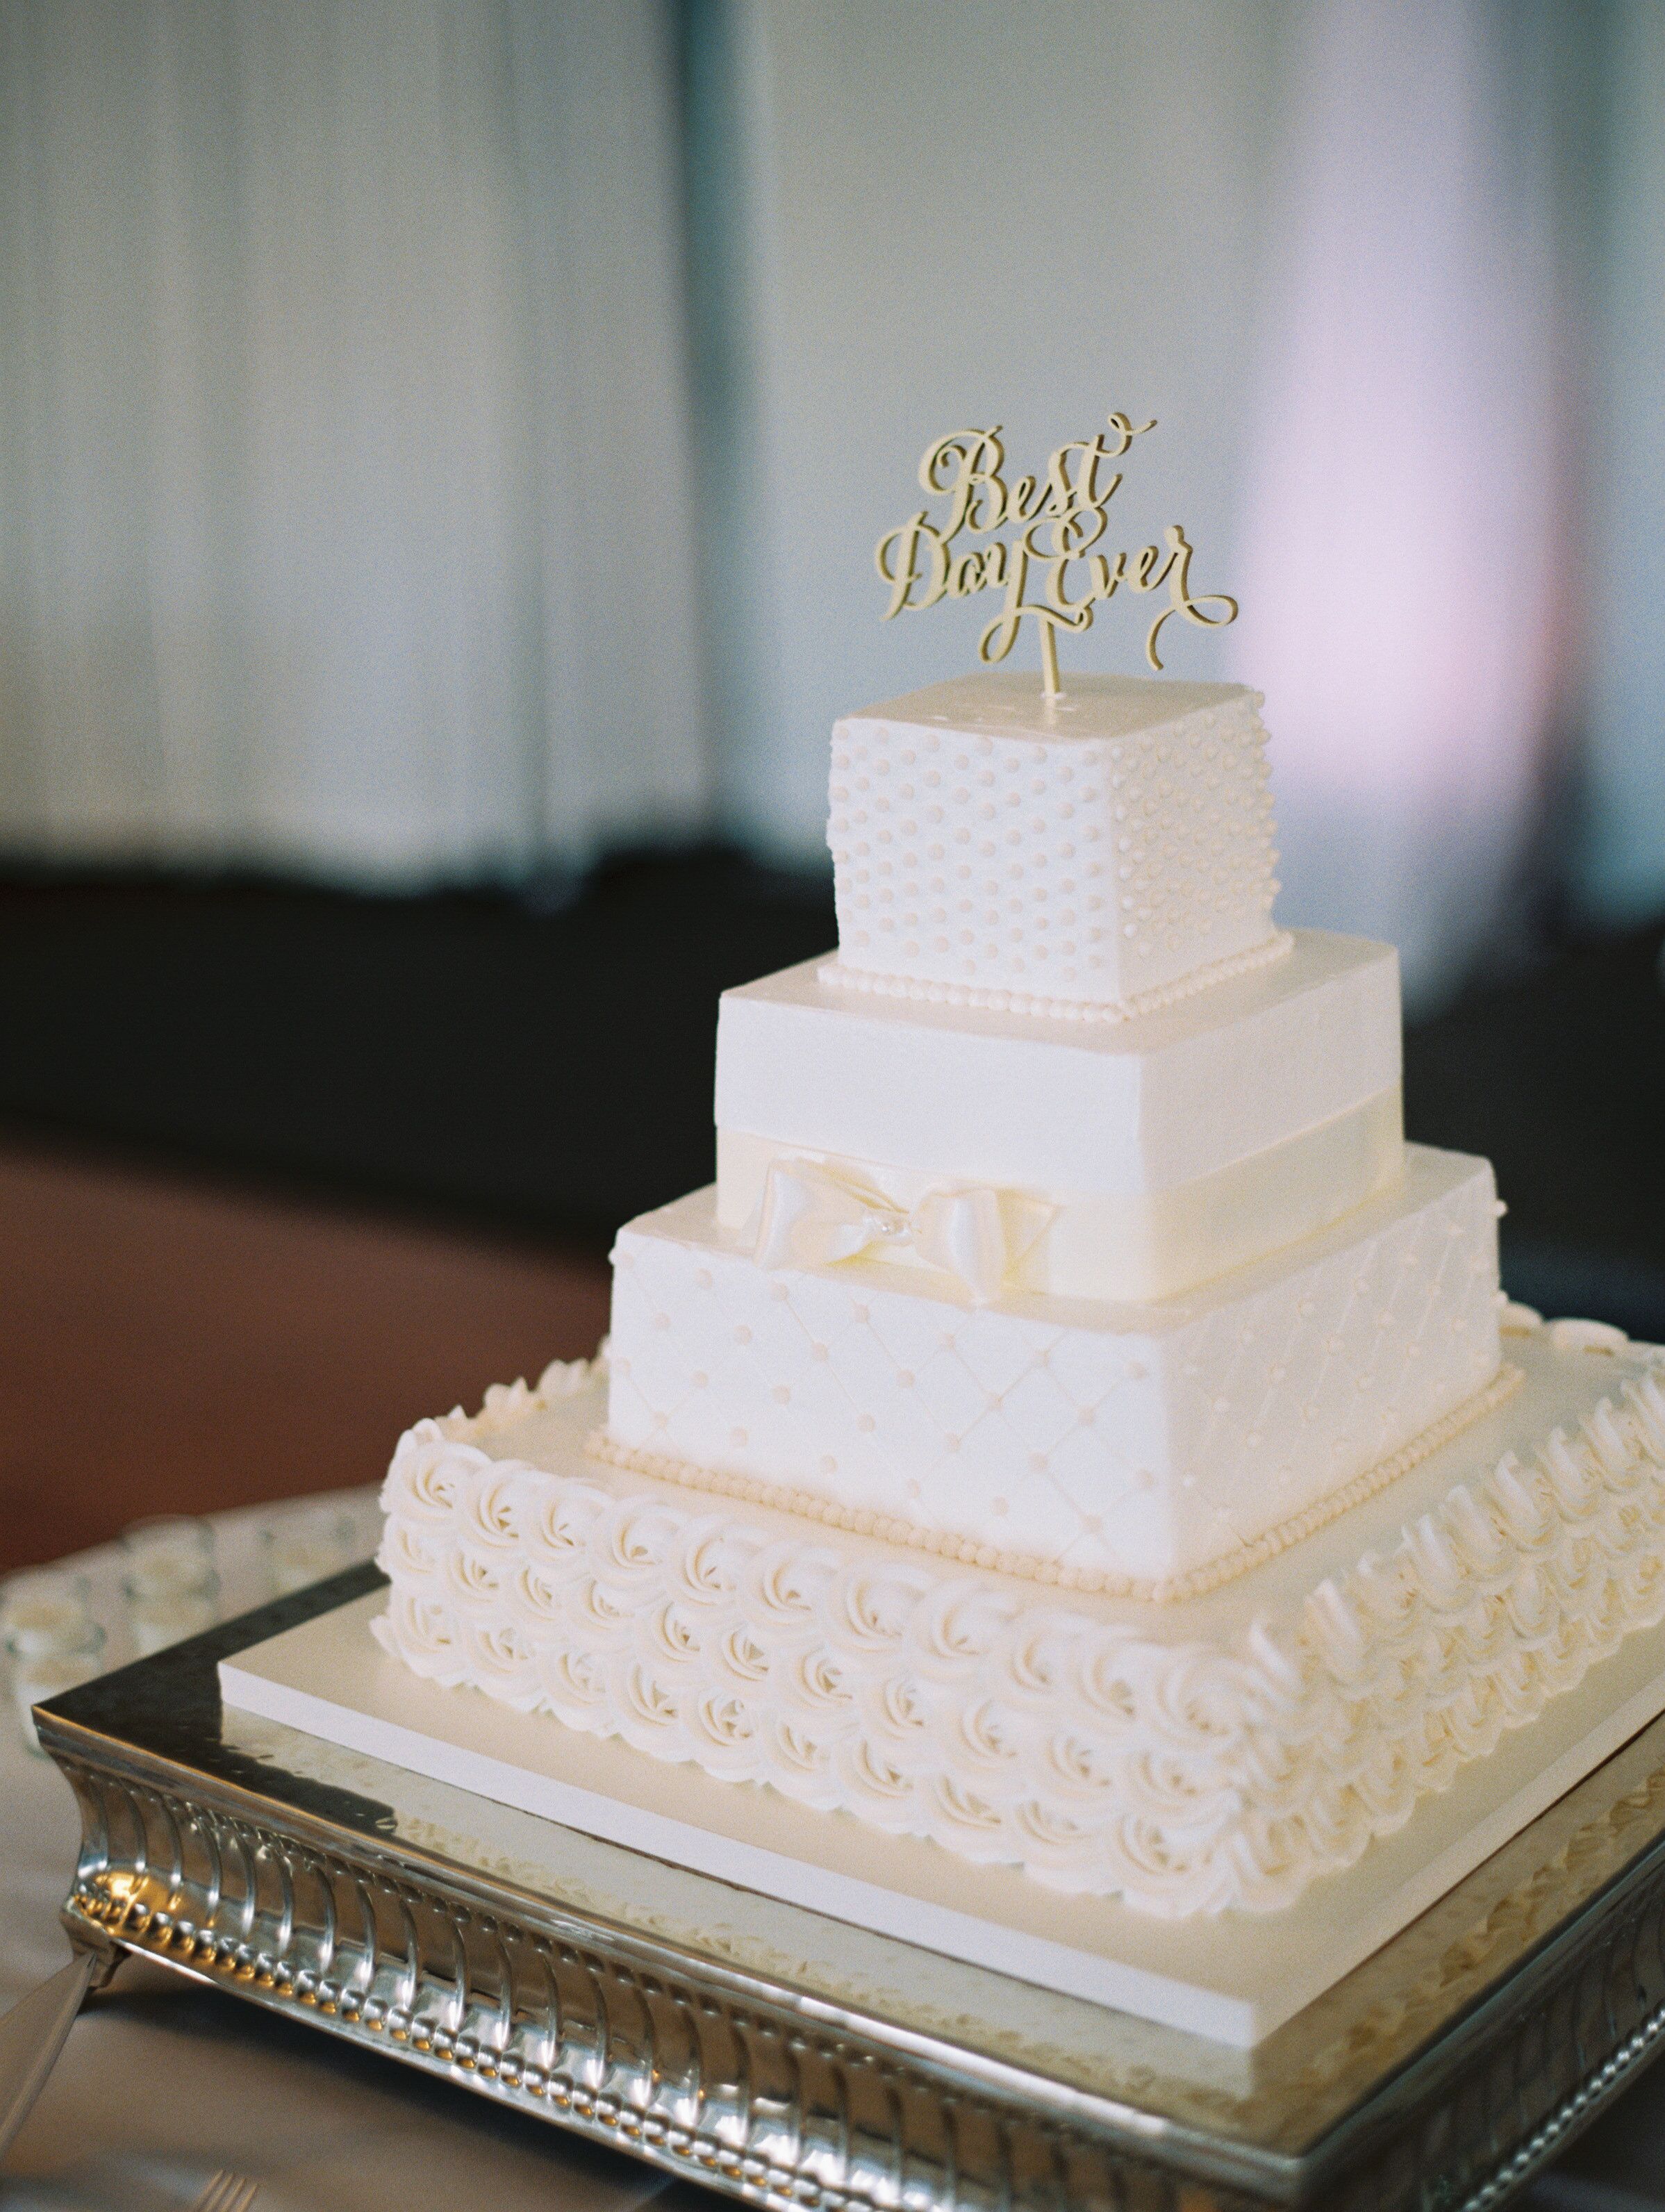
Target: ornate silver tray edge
{"type": "Point", "coordinates": [719, 2072]}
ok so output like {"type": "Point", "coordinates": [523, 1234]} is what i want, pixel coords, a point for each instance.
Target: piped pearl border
{"type": "Point", "coordinates": [862, 1521]}
{"type": "Point", "coordinates": [844, 978]}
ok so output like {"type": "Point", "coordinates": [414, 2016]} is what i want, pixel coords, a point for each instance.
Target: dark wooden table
{"type": "Point", "coordinates": [172, 1344]}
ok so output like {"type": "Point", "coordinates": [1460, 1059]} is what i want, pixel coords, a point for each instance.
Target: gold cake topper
{"type": "Point", "coordinates": [1055, 520]}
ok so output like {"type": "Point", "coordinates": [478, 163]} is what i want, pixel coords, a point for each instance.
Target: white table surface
{"type": "Point", "coordinates": [164, 2084]}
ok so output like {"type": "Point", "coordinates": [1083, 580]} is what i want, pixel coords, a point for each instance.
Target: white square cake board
{"type": "Point", "coordinates": [1234, 1978]}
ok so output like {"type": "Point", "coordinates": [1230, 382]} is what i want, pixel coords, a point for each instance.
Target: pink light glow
{"type": "Point", "coordinates": [1403, 494]}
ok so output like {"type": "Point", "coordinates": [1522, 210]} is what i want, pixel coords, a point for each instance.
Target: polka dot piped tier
{"type": "Point", "coordinates": [1093, 850]}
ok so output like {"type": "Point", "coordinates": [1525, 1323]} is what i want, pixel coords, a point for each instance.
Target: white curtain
{"type": "Point", "coordinates": [1324, 243]}
{"type": "Point", "coordinates": [941, 216]}
{"type": "Point", "coordinates": [1621, 875]}
{"type": "Point", "coordinates": [344, 475]}
{"type": "Point", "coordinates": [346, 518]}
{"type": "Point", "coordinates": [1405, 569]}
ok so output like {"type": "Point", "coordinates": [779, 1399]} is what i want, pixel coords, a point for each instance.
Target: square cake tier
{"type": "Point", "coordinates": [1217, 1753]}
{"type": "Point", "coordinates": [1103, 846]}
{"type": "Point", "coordinates": [1137, 1446]}
{"type": "Point", "coordinates": [1131, 1160]}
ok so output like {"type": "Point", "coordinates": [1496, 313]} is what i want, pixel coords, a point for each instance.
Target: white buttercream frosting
{"type": "Point", "coordinates": [1135, 1445]}
{"type": "Point", "coordinates": [844, 977]}
{"type": "Point", "coordinates": [1014, 1728]}
{"type": "Point", "coordinates": [1162, 1590]}
{"type": "Point", "coordinates": [1107, 845]}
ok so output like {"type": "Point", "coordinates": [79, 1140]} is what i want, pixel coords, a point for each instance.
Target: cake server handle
{"type": "Point", "coordinates": [33, 2034]}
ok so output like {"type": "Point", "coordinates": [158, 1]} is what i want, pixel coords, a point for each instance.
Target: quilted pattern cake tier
{"type": "Point", "coordinates": [1132, 1443]}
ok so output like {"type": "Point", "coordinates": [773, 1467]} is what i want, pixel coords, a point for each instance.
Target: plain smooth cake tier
{"type": "Point", "coordinates": [1135, 1446]}
{"type": "Point", "coordinates": [1129, 1161]}
{"type": "Point", "coordinates": [1192, 1758]}
{"type": "Point", "coordinates": [1108, 846]}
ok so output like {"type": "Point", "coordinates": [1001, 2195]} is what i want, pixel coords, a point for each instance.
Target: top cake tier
{"type": "Point", "coordinates": [1110, 847]}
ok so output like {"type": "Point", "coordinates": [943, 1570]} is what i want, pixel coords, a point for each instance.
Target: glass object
{"type": "Point", "coordinates": [43, 1609]}
{"type": "Point", "coordinates": [166, 1557]}
{"type": "Point", "coordinates": [168, 1580]}
{"type": "Point", "coordinates": [158, 1615]}
{"type": "Point", "coordinates": [305, 1546]}
{"type": "Point", "coordinates": [47, 1661]}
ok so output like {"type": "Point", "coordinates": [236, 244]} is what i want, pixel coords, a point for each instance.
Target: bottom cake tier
{"type": "Point", "coordinates": [1214, 1752]}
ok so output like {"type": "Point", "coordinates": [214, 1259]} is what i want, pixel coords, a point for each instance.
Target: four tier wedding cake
{"type": "Point", "coordinates": [1075, 1427]}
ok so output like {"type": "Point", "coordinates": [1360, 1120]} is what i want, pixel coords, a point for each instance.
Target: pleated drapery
{"type": "Point", "coordinates": [441, 439]}
{"type": "Point", "coordinates": [1406, 550]}
{"type": "Point", "coordinates": [345, 479]}
{"type": "Point", "coordinates": [1621, 856]}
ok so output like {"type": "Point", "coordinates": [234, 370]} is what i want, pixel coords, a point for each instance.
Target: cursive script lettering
{"type": "Point", "coordinates": [1046, 568]}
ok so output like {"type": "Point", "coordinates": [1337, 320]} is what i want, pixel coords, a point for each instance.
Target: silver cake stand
{"type": "Point", "coordinates": [769, 2052]}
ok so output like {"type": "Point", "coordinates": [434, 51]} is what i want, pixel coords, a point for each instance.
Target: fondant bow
{"type": "Point", "coordinates": [813, 1214]}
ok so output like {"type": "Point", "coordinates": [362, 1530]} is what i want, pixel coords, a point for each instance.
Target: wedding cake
{"type": "Point", "coordinates": [1076, 1428]}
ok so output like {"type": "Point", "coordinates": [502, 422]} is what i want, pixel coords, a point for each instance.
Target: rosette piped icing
{"type": "Point", "coordinates": [1186, 1765]}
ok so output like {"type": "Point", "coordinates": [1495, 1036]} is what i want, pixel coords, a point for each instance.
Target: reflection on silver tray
{"type": "Point", "coordinates": [797, 2062]}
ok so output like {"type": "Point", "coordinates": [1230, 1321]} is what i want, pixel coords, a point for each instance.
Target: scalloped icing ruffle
{"type": "Point", "coordinates": [1186, 1777]}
